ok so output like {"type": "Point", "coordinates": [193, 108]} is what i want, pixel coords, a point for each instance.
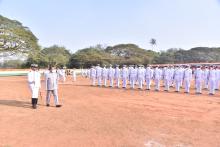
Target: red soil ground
{"type": "Point", "coordinates": [105, 117]}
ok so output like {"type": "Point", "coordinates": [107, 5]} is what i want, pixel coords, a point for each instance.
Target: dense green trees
{"type": "Point", "coordinates": [16, 38]}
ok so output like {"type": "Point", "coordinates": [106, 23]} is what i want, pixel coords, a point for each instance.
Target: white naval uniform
{"type": "Point", "coordinates": [177, 78]}
{"type": "Point", "coordinates": [181, 76]}
{"type": "Point", "coordinates": [198, 80]}
{"type": "Point", "coordinates": [104, 76]}
{"type": "Point", "coordinates": [148, 77]}
{"type": "Point", "coordinates": [217, 79]}
{"type": "Point", "coordinates": [132, 77]}
{"type": "Point", "coordinates": [93, 75]}
{"type": "Point", "coordinates": [99, 75]}
{"type": "Point", "coordinates": [212, 78]}
{"type": "Point", "coordinates": [111, 73]}
{"type": "Point", "coordinates": [166, 77]}
{"type": "Point", "coordinates": [140, 76]}
{"type": "Point", "coordinates": [157, 77]}
{"type": "Point", "coordinates": [124, 76]}
{"type": "Point", "coordinates": [34, 82]}
{"type": "Point", "coordinates": [205, 78]}
{"type": "Point", "coordinates": [117, 76]}
{"type": "Point", "coordinates": [187, 77]}
{"type": "Point", "coordinates": [172, 76]}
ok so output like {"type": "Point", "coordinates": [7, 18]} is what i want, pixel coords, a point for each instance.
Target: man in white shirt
{"type": "Point", "coordinates": [51, 83]}
{"type": "Point", "coordinates": [34, 82]}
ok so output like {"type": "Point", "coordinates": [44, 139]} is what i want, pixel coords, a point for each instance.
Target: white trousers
{"type": "Point", "coordinates": [177, 85]}
{"type": "Point", "coordinates": [132, 82]}
{"type": "Point", "coordinates": [111, 80]}
{"type": "Point", "coordinates": [140, 82]}
{"type": "Point", "coordinates": [99, 81]}
{"type": "Point", "coordinates": [117, 82]}
{"type": "Point", "coordinates": [167, 84]}
{"type": "Point", "coordinates": [93, 81]}
{"type": "Point", "coordinates": [148, 83]}
{"type": "Point", "coordinates": [105, 81]}
{"type": "Point", "coordinates": [198, 86]}
{"type": "Point", "coordinates": [34, 92]}
{"type": "Point", "coordinates": [212, 86]}
{"type": "Point", "coordinates": [124, 82]}
{"type": "Point", "coordinates": [55, 95]}
{"type": "Point", "coordinates": [157, 84]}
{"type": "Point", "coordinates": [187, 85]}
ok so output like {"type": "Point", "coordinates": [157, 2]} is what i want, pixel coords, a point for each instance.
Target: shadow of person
{"type": "Point", "coordinates": [15, 103]}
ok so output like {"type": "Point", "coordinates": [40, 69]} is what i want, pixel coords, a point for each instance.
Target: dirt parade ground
{"type": "Point", "coordinates": [107, 117]}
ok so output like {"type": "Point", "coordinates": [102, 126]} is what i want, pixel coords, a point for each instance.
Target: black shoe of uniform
{"type": "Point", "coordinates": [58, 105]}
{"type": "Point", "coordinates": [48, 105]}
{"type": "Point", "coordinates": [211, 94]}
{"type": "Point", "coordinates": [177, 91]}
{"type": "Point", "coordinates": [34, 106]}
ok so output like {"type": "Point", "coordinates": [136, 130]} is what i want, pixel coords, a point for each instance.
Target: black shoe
{"type": "Point", "coordinates": [48, 105]}
{"type": "Point", "coordinates": [58, 105]}
{"type": "Point", "coordinates": [34, 106]}
{"type": "Point", "coordinates": [211, 94]}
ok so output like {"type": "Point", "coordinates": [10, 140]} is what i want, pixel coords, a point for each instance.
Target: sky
{"type": "Point", "coordinates": [77, 24]}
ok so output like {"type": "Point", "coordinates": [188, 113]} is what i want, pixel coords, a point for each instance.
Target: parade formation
{"type": "Point", "coordinates": [136, 76]}
{"type": "Point", "coordinates": [178, 76]}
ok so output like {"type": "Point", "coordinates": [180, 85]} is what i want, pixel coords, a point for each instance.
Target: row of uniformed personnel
{"type": "Point", "coordinates": [177, 76]}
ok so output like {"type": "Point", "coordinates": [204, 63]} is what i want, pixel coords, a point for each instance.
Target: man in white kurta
{"type": "Point", "coordinates": [51, 84]}
{"type": "Point", "coordinates": [187, 77]}
{"type": "Point", "coordinates": [34, 82]}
